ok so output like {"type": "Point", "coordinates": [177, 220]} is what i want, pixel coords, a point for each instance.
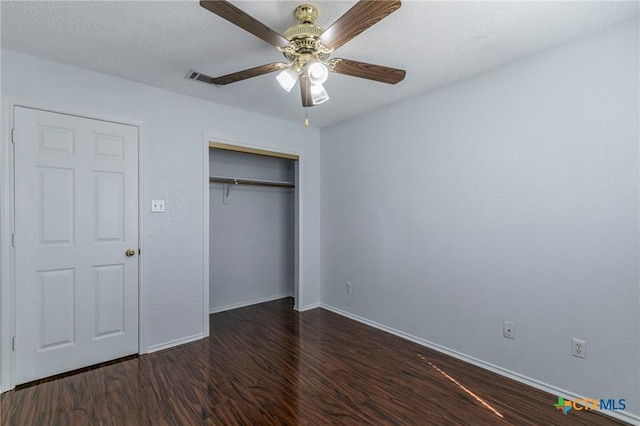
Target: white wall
{"type": "Point", "coordinates": [252, 233]}
{"type": "Point", "coordinates": [173, 168]}
{"type": "Point", "coordinates": [513, 196]}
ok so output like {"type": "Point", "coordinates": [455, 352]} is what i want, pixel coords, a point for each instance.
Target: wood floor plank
{"type": "Point", "coordinates": [269, 365]}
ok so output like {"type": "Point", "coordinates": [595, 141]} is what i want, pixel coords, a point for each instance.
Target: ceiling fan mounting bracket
{"type": "Point", "coordinates": [331, 65]}
{"type": "Point", "coordinates": [306, 13]}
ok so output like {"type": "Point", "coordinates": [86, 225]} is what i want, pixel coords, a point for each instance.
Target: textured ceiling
{"type": "Point", "coordinates": [156, 43]}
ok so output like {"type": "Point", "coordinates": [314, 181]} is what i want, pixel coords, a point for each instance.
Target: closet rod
{"type": "Point", "coordinates": [235, 181]}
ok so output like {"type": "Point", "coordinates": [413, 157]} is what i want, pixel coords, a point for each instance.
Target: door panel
{"type": "Point", "coordinates": [57, 200]}
{"type": "Point", "coordinates": [110, 301]}
{"type": "Point", "coordinates": [108, 206]}
{"type": "Point", "coordinates": [76, 210]}
{"type": "Point", "coordinates": [57, 310]}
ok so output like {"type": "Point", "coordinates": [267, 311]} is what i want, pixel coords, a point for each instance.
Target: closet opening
{"type": "Point", "coordinates": [253, 226]}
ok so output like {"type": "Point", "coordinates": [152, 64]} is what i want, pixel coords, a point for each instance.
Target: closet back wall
{"type": "Point", "coordinates": [252, 235]}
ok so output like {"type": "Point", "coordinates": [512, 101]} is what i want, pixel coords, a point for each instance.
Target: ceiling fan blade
{"type": "Point", "coordinates": [226, 10]}
{"type": "Point", "coordinates": [361, 16]}
{"type": "Point", "coordinates": [243, 75]}
{"type": "Point", "coordinates": [305, 90]}
{"type": "Point", "coordinates": [368, 71]}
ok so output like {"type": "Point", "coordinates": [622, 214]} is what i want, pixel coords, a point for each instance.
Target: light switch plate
{"type": "Point", "coordinates": [157, 206]}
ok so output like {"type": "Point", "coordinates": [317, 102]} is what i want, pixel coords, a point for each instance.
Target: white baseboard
{"type": "Point", "coordinates": [309, 307]}
{"type": "Point", "coordinates": [248, 303]}
{"type": "Point", "coordinates": [620, 415]}
{"type": "Point", "coordinates": [173, 343]}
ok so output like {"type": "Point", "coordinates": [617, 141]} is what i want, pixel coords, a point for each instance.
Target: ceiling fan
{"type": "Point", "coordinates": [307, 47]}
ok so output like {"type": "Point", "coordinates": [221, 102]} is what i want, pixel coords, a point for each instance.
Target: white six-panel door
{"type": "Point", "coordinates": [76, 215]}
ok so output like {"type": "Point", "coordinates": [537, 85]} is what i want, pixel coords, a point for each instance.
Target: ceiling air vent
{"type": "Point", "coordinates": [194, 75]}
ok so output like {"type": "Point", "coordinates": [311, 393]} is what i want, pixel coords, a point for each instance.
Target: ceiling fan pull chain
{"type": "Point", "coordinates": [306, 118]}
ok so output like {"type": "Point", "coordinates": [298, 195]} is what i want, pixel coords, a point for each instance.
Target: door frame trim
{"type": "Point", "coordinates": [7, 224]}
{"type": "Point", "coordinates": [210, 140]}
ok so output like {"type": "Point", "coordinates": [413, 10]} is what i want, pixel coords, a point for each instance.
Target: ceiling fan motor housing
{"type": "Point", "coordinates": [304, 38]}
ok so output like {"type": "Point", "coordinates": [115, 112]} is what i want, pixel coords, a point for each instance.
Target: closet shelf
{"type": "Point", "coordinates": [258, 182]}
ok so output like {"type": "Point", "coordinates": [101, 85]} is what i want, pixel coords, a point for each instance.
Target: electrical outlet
{"type": "Point", "coordinates": [578, 348]}
{"type": "Point", "coordinates": [157, 206]}
{"type": "Point", "coordinates": [347, 287]}
{"type": "Point", "coordinates": [509, 330]}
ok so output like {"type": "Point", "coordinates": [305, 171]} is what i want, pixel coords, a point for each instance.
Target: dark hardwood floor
{"type": "Point", "coordinates": [268, 365]}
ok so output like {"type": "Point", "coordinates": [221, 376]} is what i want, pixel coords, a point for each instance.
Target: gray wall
{"type": "Point", "coordinates": [252, 236]}
{"type": "Point", "coordinates": [513, 196]}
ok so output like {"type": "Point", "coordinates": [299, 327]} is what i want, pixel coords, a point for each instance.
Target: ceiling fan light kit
{"type": "Point", "coordinates": [318, 72]}
{"type": "Point", "coordinates": [307, 48]}
{"type": "Point", "coordinates": [318, 94]}
{"type": "Point", "coordinates": [287, 78]}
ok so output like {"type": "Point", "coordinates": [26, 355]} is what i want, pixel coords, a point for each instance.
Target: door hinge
{"type": "Point", "coordinates": [13, 343]}
{"type": "Point", "coordinates": [13, 239]}
{"type": "Point", "coordinates": [13, 136]}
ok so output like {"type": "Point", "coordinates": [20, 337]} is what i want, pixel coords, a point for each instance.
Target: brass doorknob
{"type": "Point", "coordinates": [130, 252]}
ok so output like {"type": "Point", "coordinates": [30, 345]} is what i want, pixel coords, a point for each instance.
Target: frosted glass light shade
{"type": "Point", "coordinates": [287, 78]}
{"type": "Point", "coordinates": [317, 72]}
{"type": "Point", "coordinates": [318, 94]}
